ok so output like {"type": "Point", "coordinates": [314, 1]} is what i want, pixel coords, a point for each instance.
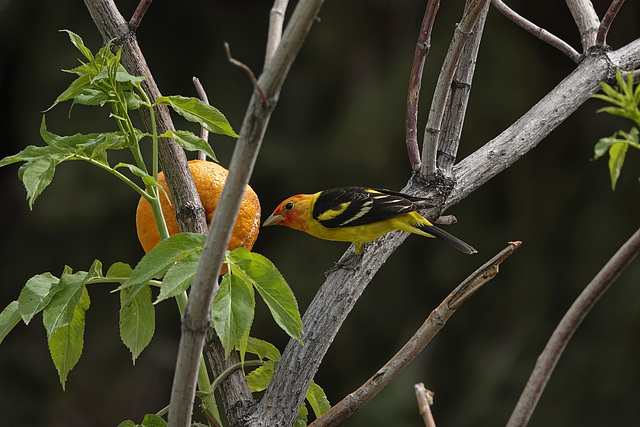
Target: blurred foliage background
{"type": "Point", "coordinates": [340, 121]}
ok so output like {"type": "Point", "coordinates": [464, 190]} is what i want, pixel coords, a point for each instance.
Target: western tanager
{"type": "Point", "coordinates": [358, 215]}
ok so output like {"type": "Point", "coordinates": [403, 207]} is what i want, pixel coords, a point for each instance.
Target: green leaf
{"type": "Point", "coordinates": [137, 320]}
{"type": "Point", "coordinates": [317, 398]}
{"type": "Point", "coordinates": [36, 176]}
{"type": "Point", "coordinates": [301, 419]}
{"type": "Point", "coordinates": [36, 294]}
{"type": "Point", "coordinates": [79, 44]}
{"type": "Point", "coordinates": [179, 277]}
{"type": "Point", "coordinates": [602, 146]}
{"type": "Point", "coordinates": [65, 345]}
{"type": "Point", "coordinates": [263, 349]}
{"type": "Point", "coordinates": [153, 420]}
{"type": "Point", "coordinates": [127, 423]}
{"type": "Point", "coordinates": [232, 311]}
{"type": "Point", "coordinates": [77, 87]}
{"type": "Point", "coordinates": [190, 142]}
{"type": "Point", "coordinates": [92, 97]}
{"type": "Point", "coordinates": [119, 272]}
{"type": "Point", "coordinates": [257, 270]}
{"type": "Point", "coordinates": [8, 319]}
{"type": "Point", "coordinates": [156, 263]}
{"type": "Point", "coordinates": [617, 154]}
{"type": "Point", "coordinates": [259, 378]}
{"type": "Point", "coordinates": [61, 309]}
{"type": "Point", "coordinates": [200, 112]}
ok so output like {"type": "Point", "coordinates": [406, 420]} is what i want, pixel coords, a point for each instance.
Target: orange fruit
{"type": "Point", "coordinates": [209, 178]}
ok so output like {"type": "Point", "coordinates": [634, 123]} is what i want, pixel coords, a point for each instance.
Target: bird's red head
{"type": "Point", "coordinates": [294, 212]}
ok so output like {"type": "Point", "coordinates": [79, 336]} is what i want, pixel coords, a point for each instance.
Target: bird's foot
{"type": "Point", "coordinates": [349, 262]}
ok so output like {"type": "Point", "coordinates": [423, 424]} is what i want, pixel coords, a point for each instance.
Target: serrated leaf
{"type": "Point", "coordinates": [65, 345]}
{"type": "Point", "coordinates": [178, 277]}
{"type": "Point", "coordinates": [36, 175]}
{"type": "Point", "coordinates": [156, 263]}
{"type": "Point", "coordinates": [79, 44]}
{"type": "Point", "coordinates": [36, 294]}
{"type": "Point", "coordinates": [617, 154]}
{"type": "Point", "coordinates": [263, 349]}
{"type": "Point", "coordinates": [232, 311]}
{"type": "Point", "coordinates": [317, 398]}
{"type": "Point", "coordinates": [61, 309]}
{"type": "Point", "coordinates": [9, 318]}
{"type": "Point", "coordinates": [137, 320]}
{"type": "Point", "coordinates": [257, 270]}
{"type": "Point", "coordinates": [259, 378]}
{"type": "Point", "coordinates": [190, 142]}
{"type": "Point", "coordinates": [91, 97]}
{"type": "Point", "coordinates": [200, 112]}
{"type": "Point", "coordinates": [76, 87]}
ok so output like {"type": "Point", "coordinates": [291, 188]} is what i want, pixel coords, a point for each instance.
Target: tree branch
{"type": "Point", "coordinates": [614, 7]}
{"type": "Point", "coordinates": [197, 314]}
{"type": "Point", "coordinates": [454, 113]}
{"type": "Point", "coordinates": [276, 21]}
{"type": "Point", "coordinates": [189, 211]}
{"type": "Point", "coordinates": [425, 400]}
{"type": "Point", "coordinates": [442, 93]}
{"type": "Point", "coordinates": [436, 321]}
{"type": "Point", "coordinates": [415, 82]}
{"type": "Point", "coordinates": [540, 33]}
{"type": "Point", "coordinates": [139, 13]}
{"type": "Point", "coordinates": [514, 142]}
{"type": "Point", "coordinates": [340, 291]}
{"type": "Point", "coordinates": [567, 326]}
{"type": "Point", "coordinates": [587, 21]}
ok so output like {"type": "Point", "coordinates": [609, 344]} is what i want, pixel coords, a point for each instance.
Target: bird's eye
{"type": "Point", "coordinates": [288, 206]}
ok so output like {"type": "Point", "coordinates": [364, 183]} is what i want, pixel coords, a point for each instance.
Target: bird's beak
{"type": "Point", "coordinates": [273, 220]}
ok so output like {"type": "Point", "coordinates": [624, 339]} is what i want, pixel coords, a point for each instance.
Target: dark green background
{"type": "Point", "coordinates": [340, 121]}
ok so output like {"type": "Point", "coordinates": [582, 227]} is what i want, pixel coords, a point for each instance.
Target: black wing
{"type": "Point", "coordinates": [351, 206]}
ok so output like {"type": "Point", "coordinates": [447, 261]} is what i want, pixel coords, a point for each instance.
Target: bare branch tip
{"type": "Point", "coordinates": [252, 77]}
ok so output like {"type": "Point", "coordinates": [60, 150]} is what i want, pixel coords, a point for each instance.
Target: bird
{"type": "Point", "coordinates": [359, 215]}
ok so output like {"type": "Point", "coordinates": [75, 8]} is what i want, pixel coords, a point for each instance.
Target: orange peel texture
{"type": "Point", "coordinates": [209, 178]}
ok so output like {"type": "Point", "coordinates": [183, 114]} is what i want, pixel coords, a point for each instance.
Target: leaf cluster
{"type": "Point", "coordinates": [102, 81]}
{"type": "Point", "coordinates": [625, 101]}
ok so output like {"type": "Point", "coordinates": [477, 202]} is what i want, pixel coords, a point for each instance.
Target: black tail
{"type": "Point", "coordinates": [450, 239]}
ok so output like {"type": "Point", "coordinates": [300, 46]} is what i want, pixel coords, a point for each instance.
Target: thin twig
{"type": "Point", "coordinates": [276, 21]}
{"type": "Point", "coordinates": [415, 82]}
{"type": "Point", "coordinates": [441, 96]}
{"type": "Point", "coordinates": [436, 320]}
{"type": "Point", "coordinates": [540, 33]}
{"type": "Point", "coordinates": [555, 346]}
{"type": "Point", "coordinates": [252, 77]}
{"type": "Point", "coordinates": [134, 23]}
{"type": "Point", "coordinates": [605, 24]}
{"type": "Point", "coordinates": [425, 400]}
{"type": "Point", "coordinates": [204, 134]}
